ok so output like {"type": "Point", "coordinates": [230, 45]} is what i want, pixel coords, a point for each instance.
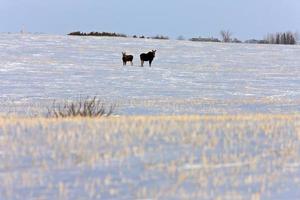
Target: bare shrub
{"type": "Point", "coordinates": [205, 39]}
{"type": "Point", "coordinates": [235, 40]}
{"type": "Point", "coordinates": [88, 107]}
{"type": "Point", "coordinates": [180, 37]}
{"type": "Point", "coordinates": [160, 37]}
{"type": "Point", "coordinates": [226, 35]}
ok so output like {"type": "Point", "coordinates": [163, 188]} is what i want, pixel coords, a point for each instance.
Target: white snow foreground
{"type": "Point", "coordinates": [160, 157]}
{"type": "Point", "coordinates": [246, 144]}
{"type": "Point", "coordinates": [186, 77]}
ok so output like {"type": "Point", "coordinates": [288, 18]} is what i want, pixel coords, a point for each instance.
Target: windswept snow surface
{"type": "Point", "coordinates": [245, 144]}
{"type": "Point", "coordinates": [186, 77]}
{"type": "Point", "coordinates": [246, 157]}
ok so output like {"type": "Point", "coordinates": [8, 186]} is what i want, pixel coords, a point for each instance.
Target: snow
{"type": "Point", "coordinates": [215, 166]}
{"type": "Point", "coordinates": [218, 121]}
{"type": "Point", "coordinates": [186, 77]}
{"type": "Point", "coordinates": [159, 157]}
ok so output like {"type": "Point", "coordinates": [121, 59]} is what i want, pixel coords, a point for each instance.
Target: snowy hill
{"type": "Point", "coordinates": [226, 78]}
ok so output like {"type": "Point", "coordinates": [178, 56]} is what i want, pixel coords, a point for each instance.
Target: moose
{"type": "Point", "coordinates": [147, 57]}
{"type": "Point", "coordinates": [127, 58]}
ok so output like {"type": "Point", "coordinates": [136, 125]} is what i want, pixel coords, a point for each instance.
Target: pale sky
{"type": "Point", "coordinates": [246, 19]}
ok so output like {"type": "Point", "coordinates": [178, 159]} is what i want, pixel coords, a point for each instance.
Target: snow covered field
{"type": "Point", "coordinates": [207, 121]}
{"type": "Point", "coordinates": [177, 157]}
{"type": "Point", "coordinates": [186, 77]}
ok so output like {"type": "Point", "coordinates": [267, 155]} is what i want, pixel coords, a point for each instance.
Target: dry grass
{"type": "Point", "coordinates": [160, 157]}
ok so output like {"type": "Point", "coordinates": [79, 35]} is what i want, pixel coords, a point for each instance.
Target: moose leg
{"type": "Point", "coordinates": [150, 62]}
{"type": "Point", "coordinates": [131, 63]}
{"type": "Point", "coordinates": [142, 63]}
{"type": "Point", "coordinates": [124, 63]}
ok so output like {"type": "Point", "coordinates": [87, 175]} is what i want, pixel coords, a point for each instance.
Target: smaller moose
{"type": "Point", "coordinates": [127, 58]}
{"type": "Point", "coordinates": [147, 57]}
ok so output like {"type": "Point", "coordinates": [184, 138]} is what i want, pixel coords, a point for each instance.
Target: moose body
{"type": "Point", "coordinates": [147, 57]}
{"type": "Point", "coordinates": [127, 58]}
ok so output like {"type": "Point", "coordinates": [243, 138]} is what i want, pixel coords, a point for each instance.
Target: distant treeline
{"type": "Point", "coordinates": [281, 38]}
{"type": "Point", "coordinates": [277, 38]}
{"type": "Point", "coordinates": [204, 39]}
{"type": "Point", "coordinates": [157, 37]}
{"type": "Point", "coordinates": [107, 34]}
{"type": "Point", "coordinates": [226, 36]}
{"type": "Point", "coordinates": [160, 37]}
{"type": "Point", "coordinates": [287, 38]}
